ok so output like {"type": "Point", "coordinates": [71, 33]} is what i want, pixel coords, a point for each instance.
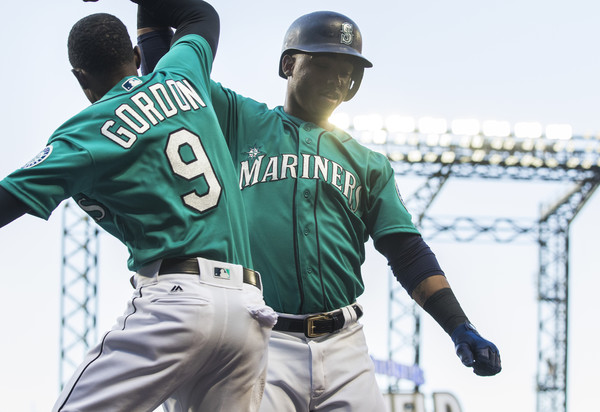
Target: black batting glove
{"type": "Point", "coordinates": [475, 351]}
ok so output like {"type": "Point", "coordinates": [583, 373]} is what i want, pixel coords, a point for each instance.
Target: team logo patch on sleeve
{"type": "Point", "coordinates": [39, 158]}
{"type": "Point", "coordinates": [222, 273]}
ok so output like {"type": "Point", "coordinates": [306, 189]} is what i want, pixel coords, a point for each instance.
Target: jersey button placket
{"type": "Point", "coordinates": [306, 224]}
{"type": "Point", "coordinates": [308, 127]}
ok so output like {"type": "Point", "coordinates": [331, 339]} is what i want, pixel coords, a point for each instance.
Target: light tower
{"type": "Point", "coordinates": [79, 289]}
{"type": "Point", "coordinates": [437, 150]}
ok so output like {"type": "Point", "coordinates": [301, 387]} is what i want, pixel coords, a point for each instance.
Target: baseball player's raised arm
{"type": "Point", "coordinates": [416, 268]}
{"type": "Point", "coordinates": [154, 28]}
{"type": "Point", "coordinates": [11, 208]}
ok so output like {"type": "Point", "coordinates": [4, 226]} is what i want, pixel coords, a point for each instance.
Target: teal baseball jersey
{"type": "Point", "coordinates": [149, 163]}
{"type": "Point", "coordinates": [314, 197]}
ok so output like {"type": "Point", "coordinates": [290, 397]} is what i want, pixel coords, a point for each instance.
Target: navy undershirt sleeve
{"type": "Point", "coordinates": [412, 261]}
{"type": "Point", "coordinates": [409, 257]}
{"type": "Point", "coordinates": [11, 208]}
{"type": "Point", "coordinates": [187, 16]}
{"type": "Point", "coordinates": [153, 45]}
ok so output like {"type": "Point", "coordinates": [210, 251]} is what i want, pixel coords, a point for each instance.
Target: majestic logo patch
{"type": "Point", "coordinates": [39, 158]}
{"type": "Point", "coordinates": [131, 83]}
{"type": "Point", "coordinates": [253, 151]}
{"type": "Point", "coordinates": [347, 35]}
{"type": "Point", "coordinates": [222, 273]}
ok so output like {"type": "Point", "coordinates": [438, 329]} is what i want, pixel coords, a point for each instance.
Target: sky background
{"type": "Point", "coordinates": [525, 60]}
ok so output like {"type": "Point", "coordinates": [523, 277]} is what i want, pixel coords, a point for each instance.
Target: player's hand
{"type": "Point", "coordinates": [475, 351]}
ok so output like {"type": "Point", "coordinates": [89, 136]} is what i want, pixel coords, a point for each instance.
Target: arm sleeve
{"type": "Point", "coordinates": [412, 261]}
{"type": "Point", "coordinates": [153, 45]}
{"type": "Point", "coordinates": [445, 309]}
{"type": "Point", "coordinates": [186, 16]}
{"type": "Point", "coordinates": [11, 208]}
{"type": "Point", "coordinates": [409, 257]}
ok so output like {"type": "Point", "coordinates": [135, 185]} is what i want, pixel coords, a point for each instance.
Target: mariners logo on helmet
{"type": "Point", "coordinates": [347, 34]}
{"type": "Point", "coordinates": [39, 158]}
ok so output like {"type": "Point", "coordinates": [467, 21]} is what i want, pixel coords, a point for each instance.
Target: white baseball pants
{"type": "Point", "coordinates": [191, 342]}
{"type": "Point", "coordinates": [330, 373]}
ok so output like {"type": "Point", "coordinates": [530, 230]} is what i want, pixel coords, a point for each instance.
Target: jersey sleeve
{"type": "Point", "coordinates": [386, 212]}
{"type": "Point", "coordinates": [58, 172]}
{"type": "Point", "coordinates": [225, 104]}
{"type": "Point", "coordinates": [240, 117]}
{"type": "Point", "coordinates": [189, 56]}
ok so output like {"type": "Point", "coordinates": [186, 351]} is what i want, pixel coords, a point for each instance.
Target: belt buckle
{"type": "Point", "coordinates": [309, 325]}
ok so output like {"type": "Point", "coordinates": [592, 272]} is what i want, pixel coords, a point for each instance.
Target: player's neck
{"type": "Point", "coordinates": [297, 111]}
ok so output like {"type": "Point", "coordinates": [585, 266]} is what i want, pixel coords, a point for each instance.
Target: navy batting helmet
{"type": "Point", "coordinates": [327, 32]}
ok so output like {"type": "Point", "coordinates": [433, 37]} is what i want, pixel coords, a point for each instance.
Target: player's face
{"type": "Point", "coordinates": [317, 85]}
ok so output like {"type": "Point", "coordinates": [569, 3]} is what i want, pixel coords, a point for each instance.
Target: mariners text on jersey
{"type": "Point", "coordinates": [311, 167]}
{"type": "Point", "coordinates": [150, 107]}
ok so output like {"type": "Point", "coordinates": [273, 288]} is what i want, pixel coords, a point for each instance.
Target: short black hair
{"type": "Point", "coordinates": [99, 44]}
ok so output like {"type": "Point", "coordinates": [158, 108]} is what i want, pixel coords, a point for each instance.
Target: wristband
{"type": "Point", "coordinates": [445, 309]}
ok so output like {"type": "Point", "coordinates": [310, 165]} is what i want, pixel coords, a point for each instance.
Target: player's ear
{"type": "Point", "coordinates": [287, 64]}
{"type": "Point", "coordinates": [85, 82]}
{"type": "Point", "coordinates": [82, 78]}
{"type": "Point", "coordinates": [137, 57]}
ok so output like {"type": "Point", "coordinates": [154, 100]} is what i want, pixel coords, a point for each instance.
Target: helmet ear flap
{"type": "Point", "coordinates": [355, 84]}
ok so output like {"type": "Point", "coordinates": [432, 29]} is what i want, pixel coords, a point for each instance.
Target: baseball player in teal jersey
{"type": "Point", "coordinates": [314, 197]}
{"type": "Point", "coordinates": [148, 162]}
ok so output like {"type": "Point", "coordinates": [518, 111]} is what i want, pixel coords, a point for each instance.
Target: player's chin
{"type": "Point", "coordinates": [328, 103]}
{"type": "Point", "coordinates": [332, 96]}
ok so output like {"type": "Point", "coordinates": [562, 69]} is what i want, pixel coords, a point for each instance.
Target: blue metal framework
{"type": "Point", "coordinates": [575, 162]}
{"type": "Point", "coordinates": [79, 287]}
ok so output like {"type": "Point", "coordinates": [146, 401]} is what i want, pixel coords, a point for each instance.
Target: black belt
{"type": "Point", "coordinates": [190, 266]}
{"type": "Point", "coordinates": [315, 325]}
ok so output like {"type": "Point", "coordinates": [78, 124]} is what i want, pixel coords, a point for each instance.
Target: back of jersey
{"type": "Point", "coordinates": [149, 163]}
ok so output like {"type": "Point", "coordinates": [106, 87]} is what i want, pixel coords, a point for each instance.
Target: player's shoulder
{"type": "Point", "coordinates": [345, 137]}
{"type": "Point", "coordinates": [192, 38]}
{"type": "Point", "coordinates": [79, 125]}
{"type": "Point", "coordinates": [375, 159]}
{"type": "Point", "coordinates": [190, 54]}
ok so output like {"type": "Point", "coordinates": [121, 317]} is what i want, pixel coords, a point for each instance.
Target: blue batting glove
{"type": "Point", "coordinates": [476, 352]}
